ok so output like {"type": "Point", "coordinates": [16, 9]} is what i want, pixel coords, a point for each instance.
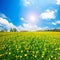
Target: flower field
{"type": "Point", "coordinates": [29, 45]}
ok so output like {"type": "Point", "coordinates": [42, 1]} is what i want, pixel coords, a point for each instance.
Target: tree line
{"type": "Point", "coordinates": [11, 30]}
{"type": "Point", "coordinates": [15, 30]}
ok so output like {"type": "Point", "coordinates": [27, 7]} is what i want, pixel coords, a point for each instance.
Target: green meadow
{"type": "Point", "coordinates": [29, 45]}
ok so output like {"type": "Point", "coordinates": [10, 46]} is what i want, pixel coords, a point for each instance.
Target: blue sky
{"type": "Point", "coordinates": [30, 14]}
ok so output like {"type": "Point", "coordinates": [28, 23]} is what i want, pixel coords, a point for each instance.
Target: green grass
{"type": "Point", "coordinates": [30, 46]}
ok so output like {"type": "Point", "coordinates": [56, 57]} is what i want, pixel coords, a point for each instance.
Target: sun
{"type": "Point", "coordinates": [32, 18]}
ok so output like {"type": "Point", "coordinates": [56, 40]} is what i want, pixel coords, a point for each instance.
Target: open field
{"type": "Point", "coordinates": [29, 45]}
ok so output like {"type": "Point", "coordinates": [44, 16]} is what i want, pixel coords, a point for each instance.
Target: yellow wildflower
{"type": "Point", "coordinates": [25, 55]}
{"type": "Point", "coordinates": [21, 51]}
{"type": "Point", "coordinates": [35, 56]}
{"type": "Point", "coordinates": [55, 58]}
{"type": "Point", "coordinates": [20, 56]}
{"type": "Point", "coordinates": [37, 51]}
{"type": "Point", "coordinates": [16, 56]}
{"type": "Point", "coordinates": [52, 56]}
{"type": "Point", "coordinates": [1, 55]}
{"type": "Point", "coordinates": [9, 53]}
{"type": "Point", "coordinates": [57, 49]}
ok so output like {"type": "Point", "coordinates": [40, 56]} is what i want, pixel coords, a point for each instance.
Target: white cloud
{"type": "Point", "coordinates": [29, 27]}
{"type": "Point", "coordinates": [2, 15]}
{"type": "Point", "coordinates": [12, 26]}
{"type": "Point", "coordinates": [58, 2]}
{"type": "Point", "coordinates": [48, 14]}
{"type": "Point", "coordinates": [30, 23]}
{"type": "Point", "coordinates": [26, 3]}
{"type": "Point", "coordinates": [22, 19]}
{"type": "Point", "coordinates": [5, 24]}
{"type": "Point", "coordinates": [55, 23]}
{"type": "Point", "coordinates": [26, 26]}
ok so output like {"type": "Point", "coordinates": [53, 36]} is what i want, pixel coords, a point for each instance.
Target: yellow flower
{"type": "Point", "coordinates": [19, 46]}
{"type": "Point", "coordinates": [1, 55]}
{"type": "Point", "coordinates": [33, 52]}
{"type": "Point", "coordinates": [42, 56]}
{"type": "Point", "coordinates": [52, 56]}
{"type": "Point", "coordinates": [35, 56]}
{"type": "Point", "coordinates": [45, 49]}
{"type": "Point", "coordinates": [55, 58]}
{"type": "Point", "coordinates": [9, 53]}
{"type": "Point", "coordinates": [37, 51]}
{"type": "Point", "coordinates": [21, 51]}
{"type": "Point", "coordinates": [43, 53]}
{"type": "Point", "coordinates": [17, 49]}
{"type": "Point", "coordinates": [25, 55]}
{"type": "Point", "coordinates": [57, 49]}
{"type": "Point", "coordinates": [20, 56]}
{"type": "Point", "coordinates": [27, 50]}
{"type": "Point", "coordinates": [16, 56]}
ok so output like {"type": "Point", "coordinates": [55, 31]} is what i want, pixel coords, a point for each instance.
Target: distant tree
{"type": "Point", "coordinates": [2, 31]}
{"type": "Point", "coordinates": [13, 30]}
{"type": "Point", "coordinates": [5, 29]}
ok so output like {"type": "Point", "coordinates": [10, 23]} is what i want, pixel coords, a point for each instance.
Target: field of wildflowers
{"type": "Point", "coordinates": [29, 45]}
